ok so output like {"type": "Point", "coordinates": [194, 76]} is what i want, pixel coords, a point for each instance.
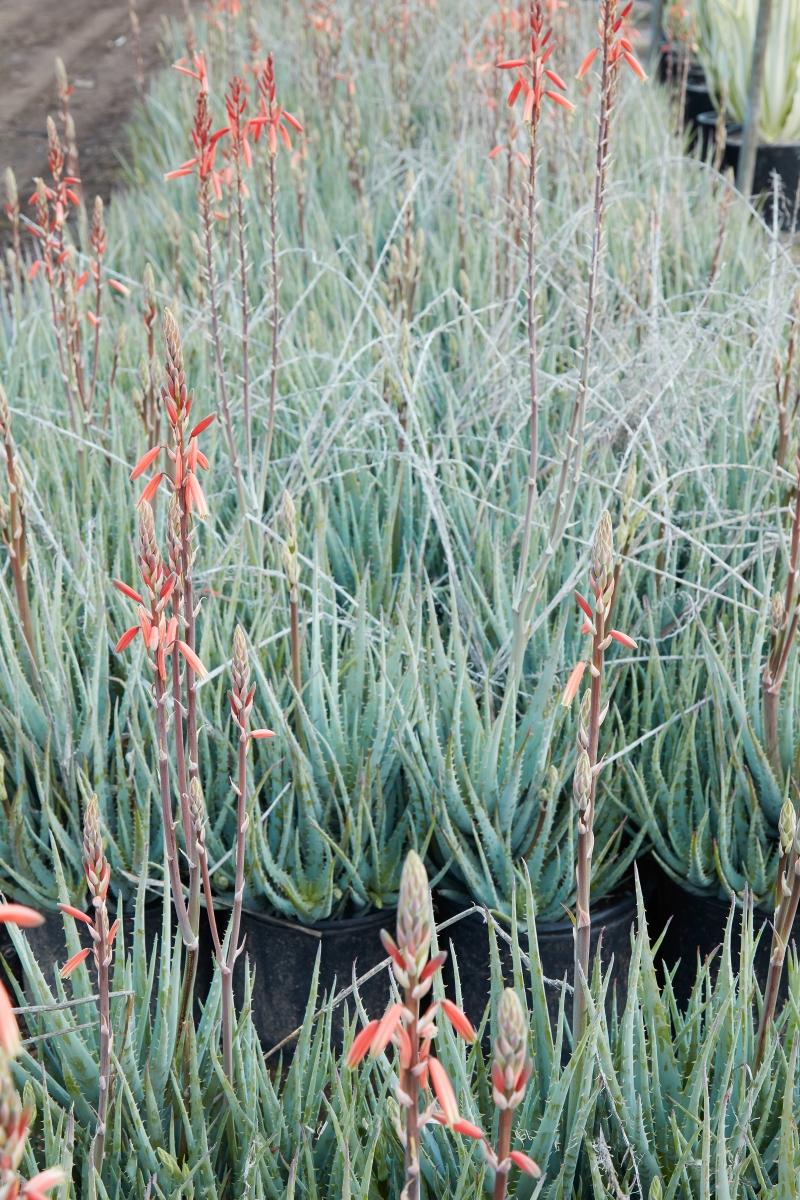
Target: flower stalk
{"type": "Point", "coordinates": [411, 1032]}
{"type": "Point", "coordinates": [616, 50]}
{"type": "Point", "coordinates": [787, 897]}
{"type": "Point", "coordinates": [592, 715]}
{"type": "Point", "coordinates": [783, 620]}
{"type": "Point", "coordinates": [13, 528]}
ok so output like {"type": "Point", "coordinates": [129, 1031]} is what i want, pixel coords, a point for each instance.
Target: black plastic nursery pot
{"type": "Point", "coordinates": [612, 918]}
{"type": "Point", "coordinates": [782, 158]}
{"type": "Point", "coordinates": [697, 102]}
{"type": "Point", "coordinates": [49, 944]}
{"type": "Point", "coordinates": [282, 953]}
{"type": "Point", "coordinates": [697, 928]}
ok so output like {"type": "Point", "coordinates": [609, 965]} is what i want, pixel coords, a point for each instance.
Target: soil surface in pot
{"type": "Point", "coordinates": [613, 917]}
{"type": "Point", "coordinates": [283, 953]}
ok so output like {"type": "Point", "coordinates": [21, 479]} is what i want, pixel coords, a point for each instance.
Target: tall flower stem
{"type": "Point", "coordinates": [784, 616]}
{"type": "Point", "coordinates": [205, 216]}
{"type": "Point", "coordinates": [13, 529]}
{"type": "Point", "coordinates": [788, 896]}
{"type": "Point", "coordinates": [276, 317]}
{"type": "Point", "coordinates": [534, 391]}
{"type": "Point", "coordinates": [592, 715]}
{"type": "Point", "coordinates": [570, 472]}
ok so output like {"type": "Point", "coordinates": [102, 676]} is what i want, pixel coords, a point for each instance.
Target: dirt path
{"type": "Point", "coordinates": [93, 37]}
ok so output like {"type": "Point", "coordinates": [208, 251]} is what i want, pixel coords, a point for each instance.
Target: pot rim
{"type": "Point", "coordinates": [320, 929]}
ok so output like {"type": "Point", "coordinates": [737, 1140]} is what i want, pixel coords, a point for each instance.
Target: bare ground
{"type": "Point", "coordinates": [93, 37]}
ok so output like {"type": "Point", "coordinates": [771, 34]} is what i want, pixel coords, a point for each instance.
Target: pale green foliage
{"type": "Point", "coordinates": [725, 31]}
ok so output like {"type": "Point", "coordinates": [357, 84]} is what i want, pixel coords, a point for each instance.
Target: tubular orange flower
{"type": "Point", "coordinates": [459, 1020]}
{"type": "Point", "coordinates": [573, 683]}
{"type": "Point", "coordinates": [361, 1044]}
{"type": "Point", "coordinates": [468, 1129]}
{"type": "Point", "coordinates": [150, 490]}
{"type": "Point", "coordinates": [584, 604]}
{"type": "Point", "coordinates": [76, 912]}
{"type": "Point", "coordinates": [444, 1091]}
{"type": "Point", "coordinates": [634, 64]}
{"type": "Point", "coordinates": [587, 62]}
{"type": "Point", "coordinates": [126, 639]}
{"type": "Point", "coordinates": [202, 425]}
{"type": "Point", "coordinates": [192, 659]}
{"type": "Point", "coordinates": [38, 1187]}
{"type": "Point", "coordinates": [623, 638]}
{"type": "Point", "coordinates": [525, 1163]}
{"type": "Point", "coordinates": [73, 962]}
{"type": "Point", "coordinates": [144, 462]}
{"type": "Point", "coordinates": [386, 1029]}
{"type": "Point", "coordinates": [119, 287]}
{"type": "Point", "coordinates": [20, 914]}
{"type": "Point", "coordinates": [261, 733]}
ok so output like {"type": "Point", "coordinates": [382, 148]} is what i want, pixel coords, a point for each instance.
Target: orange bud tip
{"type": "Point", "coordinates": [81, 280]}
{"type": "Point", "coordinates": [262, 733]}
{"type": "Point", "coordinates": [20, 914]}
{"type": "Point", "coordinates": [34, 269]}
{"type": "Point", "coordinates": [497, 150]}
{"type": "Point", "coordinates": [192, 659]}
{"type": "Point", "coordinates": [73, 962]}
{"type": "Point", "coordinates": [525, 1163]}
{"type": "Point", "coordinates": [510, 64]}
{"type": "Point", "coordinates": [386, 1029]}
{"type": "Point", "coordinates": [587, 62]}
{"type": "Point", "coordinates": [9, 1032]}
{"type": "Point", "coordinates": [144, 462]}
{"type": "Point", "coordinates": [361, 1044]}
{"type": "Point", "coordinates": [202, 425]}
{"type": "Point", "coordinates": [623, 639]}
{"type": "Point", "coordinates": [119, 287]}
{"type": "Point", "coordinates": [459, 1021]}
{"type": "Point", "coordinates": [126, 639]}
{"type": "Point", "coordinates": [76, 913]}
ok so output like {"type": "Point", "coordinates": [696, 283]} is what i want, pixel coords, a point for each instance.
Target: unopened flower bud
{"type": "Point", "coordinates": [583, 719]}
{"type": "Point", "coordinates": [777, 614]}
{"type": "Point", "coordinates": [94, 860]}
{"type": "Point", "coordinates": [656, 1190]}
{"type": "Point", "coordinates": [291, 565]}
{"type": "Point", "coordinates": [603, 551]}
{"type": "Point", "coordinates": [55, 152]}
{"type": "Point", "coordinates": [99, 239]}
{"type": "Point", "coordinates": [12, 197]}
{"type": "Point", "coordinates": [786, 826]}
{"type": "Point", "coordinates": [197, 807]}
{"type": "Point", "coordinates": [240, 676]}
{"type": "Point", "coordinates": [150, 565]}
{"type": "Point", "coordinates": [5, 415]}
{"type": "Point", "coordinates": [582, 780]}
{"type": "Point", "coordinates": [414, 914]}
{"type": "Point", "coordinates": [149, 295]}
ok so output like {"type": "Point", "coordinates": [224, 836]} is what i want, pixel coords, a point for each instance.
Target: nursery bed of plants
{"type": "Point", "coordinates": [398, 625]}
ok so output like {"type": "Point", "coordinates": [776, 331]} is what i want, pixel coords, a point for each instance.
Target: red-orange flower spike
{"type": "Point", "coordinates": [444, 1091]}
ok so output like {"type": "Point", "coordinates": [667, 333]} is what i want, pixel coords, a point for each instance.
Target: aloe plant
{"type": "Point", "coordinates": [725, 31]}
